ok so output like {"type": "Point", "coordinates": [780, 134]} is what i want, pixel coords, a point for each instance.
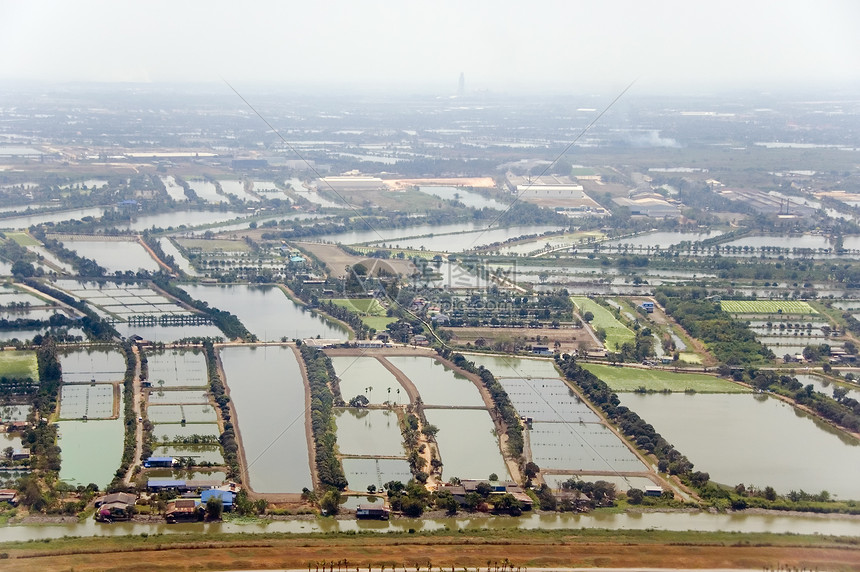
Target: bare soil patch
{"type": "Point", "coordinates": [336, 260]}
{"type": "Point", "coordinates": [569, 338]}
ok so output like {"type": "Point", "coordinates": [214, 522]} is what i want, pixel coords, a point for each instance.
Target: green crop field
{"type": "Point", "coordinates": [213, 245]}
{"type": "Point", "coordinates": [616, 333]}
{"type": "Point", "coordinates": [364, 306]}
{"type": "Point", "coordinates": [630, 379]}
{"type": "Point", "coordinates": [23, 238]}
{"type": "Point", "coordinates": [19, 365]}
{"type": "Point", "coordinates": [767, 307]}
{"type": "Point", "coordinates": [378, 323]}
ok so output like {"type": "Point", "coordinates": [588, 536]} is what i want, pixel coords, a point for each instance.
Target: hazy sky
{"type": "Point", "coordinates": [512, 45]}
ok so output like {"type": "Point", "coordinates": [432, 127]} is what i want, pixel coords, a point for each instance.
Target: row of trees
{"type": "Point", "coordinates": [228, 323]}
{"type": "Point", "coordinates": [320, 373]}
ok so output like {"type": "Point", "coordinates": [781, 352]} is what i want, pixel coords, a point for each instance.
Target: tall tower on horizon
{"type": "Point", "coordinates": [461, 87]}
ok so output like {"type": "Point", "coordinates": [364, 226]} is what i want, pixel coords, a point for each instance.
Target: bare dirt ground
{"type": "Point", "coordinates": [482, 182]}
{"type": "Point", "coordinates": [396, 552]}
{"type": "Point", "coordinates": [569, 338]}
{"type": "Point", "coordinates": [336, 260]}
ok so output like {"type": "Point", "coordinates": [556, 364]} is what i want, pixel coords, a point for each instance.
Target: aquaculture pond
{"type": "Point", "coordinates": [26, 221]}
{"type": "Point", "coordinates": [368, 432]}
{"type": "Point", "coordinates": [367, 376]}
{"type": "Point", "coordinates": [363, 472]}
{"type": "Point", "coordinates": [87, 365]}
{"type": "Point", "coordinates": [87, 401]}
{"type": "Point", "coordinates": [268, 393]}
{"type": "Point", "coordinates": [547, 400]}
{"type": "Point", "coordinates": [177, 219]}
{"type": "Point", "coordinates": [91, 450]}
{"type": "Point", "coordinates": [507, 366]}
{"type": "Point", "coordinates": [181, 413]}
{"type": "Point", "coordinates": [177, 368]}
{"type": "Point", "coordinates": [436, 383]}
{"type": "Point", "coordinates": [266, 311]}
{"type": "Point", "coordinates": [468, 198]}
{"type": "Point", "coordinates": [158, 396]}
{"type": "Point", "coordinates": [622, 483]}
{"type": "Point", "coordinates": [754, 439]}
{"type": "Point", "coordinates": [114, 255]}
{"type": "Point", "coordinates": [199, 453]}
{"type": "Point", "coordinates": [582, 447]}
{"type": "Point", "coordinates": [468, 443]}
{"type": "Point", "coordinates": [177, 433]}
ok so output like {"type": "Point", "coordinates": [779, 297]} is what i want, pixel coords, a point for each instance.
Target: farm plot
{"type": "Point", "coordinates": [617, 334]}
{"type": "Point", "coordinates": [19, 365]}
{"type": "Point", "coordinates": [87, 401]}
{"type": "Point", "coordinates": [78, 441]}
{"type": "Point", "coordinates": [160, 397]}
{"type": "Point", "coordinates": [632, 379]}
{"type": "Point", "coordinates": [169, 432]}
{"type": "Point", "coordinates": [508, 366]}
{"type": "Point", "coordinates": [123, 303]}
{"type": "Point", "coordinates": [437, 384]}
{"type": "Point", "coordinates": [368, 433]}
{"type": "Point", "coordinates": [115, 255]}
{"type": "Point", "coordinates": [199, 453]}
{"type": "Point", "coordinates": [177, 368]}
{"type": "Point", "coordinates": [581, 446]}
{"type": "Point", "coordinates": [468, 445]}
{"type": "Point", "coordinates": [185, 414]}
{"type": "Point", "coordinates": [767, 307]}
{"type": "Point", "coordinates": [86, 366]}
{"type": "Point", "coordinates": [11, 413]}
{"type": "Point", "coordinates": [367, 376]}
{"type": "Point", "coordinates": [372, 313]}
{"type": "Point", "coordinates": [547, 400]}
{"type": "Point", "coordinates": [360, 473]}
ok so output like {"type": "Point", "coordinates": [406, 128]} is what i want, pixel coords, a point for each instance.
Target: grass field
{"type": "Point", "coordinates": [616, 332]}
{"type": "Point", "coordinates": [371, 311]}
{"type": "Point", "coordinates": [469, 548]}
{"type": "Point", "coordinates": [767, 307]}
{"type": "Point", "coordinates": [23, 238]}
{"type": "Point", "coordinates": [19, 365]}
{"type": "Point", "coordinates": [364, 306]}
{"type": "Point", "coordinates": [631, 378]}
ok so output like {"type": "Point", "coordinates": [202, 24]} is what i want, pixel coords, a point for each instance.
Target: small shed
{"type": "Point", "coordinates": [376, 511]}
{"type": "Point", "coordinates": [166, 462]}
{"type": "Point", "coordinates": [227, 497]}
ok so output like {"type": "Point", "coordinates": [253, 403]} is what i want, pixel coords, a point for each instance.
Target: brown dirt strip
{"type": "Point", "coordinates": [301, 553]}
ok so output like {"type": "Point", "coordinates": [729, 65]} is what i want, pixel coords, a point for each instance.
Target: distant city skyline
{"type": "Point", "coordinates": [547, 45]}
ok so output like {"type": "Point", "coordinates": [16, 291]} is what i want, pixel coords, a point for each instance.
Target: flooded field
{"type": "Point", "coordinates": [266, 311]}
{"type": "Point", "coordinates": [580, 446]}
{"type": "Point", "coordinates": [237, 189]}
{"type": "Point", "coordinates": [207, 191]}
{"type": "Point", "coordinates": [463, 241]}
{"type": "Point", "coordinates": [507, 366]}
{"type": "Point", "coordinates": [116, 255]}
{"type": "Point", "coordinates": [547, 400]}
{"type": "Point", "coordinates": [170, 432]}
{"type": "Point", "coordinates": [660, 239]}
{"type": "Point", "coordinates": [173, 189]}
{"type": "Point", "coordinates": [170, 249]}
{"type": "Point", "coordinates": [87, 401]}
{"type": "Point", "coordinates": [368, 432]}
{"type": "Point", "coordinates": [266, 387]}
{"type": "Point", "coordinates": [177, 219]}
{"type": "Point", "coordinates": [100, 365]}
{"type": "Point", "coordinates": [26, 221]}
{"type": "Point", "coordinates": [160, 397]}
{"type": "Point", "coordinates": [468, 198]}
{"type": "Point", "coordinates": [177, 368]}
{"type": "Point", "coordinates": [199, 453]}
{"type": "Point", "coordinates": [367, 376]}
{"type": "Point", "coordinates": [468, 444]}
{"type": "Point", "coordinates": [181, 413]}
{"type": "Point", "coordinates": [363, 472]}
{"type": "Point", "coordinates": [79, 439]}
{"type": "Point", "coordinates": [754, 440]}
{"type": "Point", "coordinates": [437, 384]}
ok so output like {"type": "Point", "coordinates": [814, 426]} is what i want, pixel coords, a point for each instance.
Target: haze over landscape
{"type": "Point", "coordinates": [552, 285]}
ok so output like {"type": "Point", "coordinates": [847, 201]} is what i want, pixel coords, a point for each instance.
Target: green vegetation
{"type": "Point", "coordinates": [371, 312]}
{"type": "Point", "coordinates": [638, 379]}
{"type": "Point", "coordinates": [731, 341]}
{"type": "Point", "coordinates": [213, 245]}
{"type": "Point", "coordinates": [767, 307]}
{"type": "Point", "coordinates": [616, 333]}
{"type": "Point", "coordinates": [320, 373]}
{"type": "Point", "coordinates": [22, 238]}
{"type": "Point", "coordinates": [19, 365]}
{"type": "Point", "coordinates": [229, 444]}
